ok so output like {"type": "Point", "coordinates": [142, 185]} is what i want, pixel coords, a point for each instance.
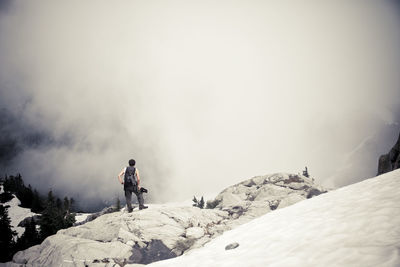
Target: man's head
{"type": "Point", "coordinates": [132, 162]}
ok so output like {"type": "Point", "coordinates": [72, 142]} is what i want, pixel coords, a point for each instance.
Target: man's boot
{"type": "Point", "coordinates": [142, 207]}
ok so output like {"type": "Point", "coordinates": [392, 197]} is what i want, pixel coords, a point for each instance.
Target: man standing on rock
{"type": "Point", "coordinates": [131, 184]}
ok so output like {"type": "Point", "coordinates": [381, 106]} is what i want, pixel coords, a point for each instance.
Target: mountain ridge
{"type": "Point", "coordinates": [163, 232]}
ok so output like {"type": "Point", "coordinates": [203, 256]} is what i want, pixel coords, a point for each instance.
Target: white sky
{"type": "Point", "coordinates": [201, 93]}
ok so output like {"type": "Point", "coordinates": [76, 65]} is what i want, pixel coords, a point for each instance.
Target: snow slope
{"type": "Point", "coordinates": [357, 225]}
{"type": "Point", "coordinates": [17, 213]}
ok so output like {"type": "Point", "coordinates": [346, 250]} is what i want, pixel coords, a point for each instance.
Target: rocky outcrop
{"type": "Point", "coordinates": [95, 215]}
{"type": "Point", "coordinates": [261, 194]}
{"type": "Point", "coordinates": [162, 231]}
{"type": "Point", "coordinates": [121, 238]}
{"type": "Point", "coordinates": [390, 161]}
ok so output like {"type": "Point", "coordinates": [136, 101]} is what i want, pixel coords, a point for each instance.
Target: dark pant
{"type": "Point", "coordinates": [128, 197]}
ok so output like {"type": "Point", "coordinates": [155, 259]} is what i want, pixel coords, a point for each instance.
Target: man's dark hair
{"type": "Point", "coordinates": [132, 162]}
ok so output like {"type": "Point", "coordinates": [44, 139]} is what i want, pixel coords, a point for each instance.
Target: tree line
{"type": "Point", "coordinates": [55, 214]}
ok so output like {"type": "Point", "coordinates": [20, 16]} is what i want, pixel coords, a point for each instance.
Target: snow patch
{"type": "Point", "coordinates": [81, 217]}
{"type": "Point", "coordinates": [18, 214]}
{"type": "Point", "coordinates": [357, 225]}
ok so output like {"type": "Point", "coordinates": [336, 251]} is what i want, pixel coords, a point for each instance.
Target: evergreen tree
{"type": "Point", "coordinates": [5, 197]}
{"type": "Point", "coordinates": [69, 218]}
{"type": "Point", "coordinates": [198, 203]}
{"type": "Point", "coordinates": [195, 201]}
{"type": "Point", "coordinates": [50, 220]}
{"type": "Point", "coordinates": [72, 204]}
{"type": "Point", "coordinates": [7, 243]}
{"type": "Point", "coordinates": [201, 203]}
{"type": "Point", "coordinates": [15, 184]}
{"type": "Point", "coordinates": [37, 203]}
{"type": "Point", "coordinates": [29, 238]}
{"type": "Point", "coordinates": [55, 216]}
{"type": "Point", "coordinates": [25, 195]}
{"type": "Point", "coordinates": [59, 204]}
{"type": "Point", "coordinates": [305, 173]}
{"type": "Point", "coordinates": [67, 204]}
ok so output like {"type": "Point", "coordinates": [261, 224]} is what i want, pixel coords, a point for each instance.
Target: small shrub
{"type": "Point", "coordinates": [198, 203]}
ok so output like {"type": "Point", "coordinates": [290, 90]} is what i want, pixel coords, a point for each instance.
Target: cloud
{"type": "Point", "coordinates": [202, 95]}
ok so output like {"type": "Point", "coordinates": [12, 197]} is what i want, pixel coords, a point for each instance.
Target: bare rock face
{"type": "Point", "coordinates": [162, 231]}
{"type": "Point", "coordinates": [261, 194]}
{"type": "Point", "coordinates": [390, 161]}
{"type": "Point", "coordinates": [123, 238]}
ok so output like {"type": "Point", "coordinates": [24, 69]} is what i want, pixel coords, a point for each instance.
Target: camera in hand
{"type": "Point", "coordinates": [143, 190]}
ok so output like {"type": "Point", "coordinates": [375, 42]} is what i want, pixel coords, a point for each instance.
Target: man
{"type": "Point", "coordinates": [131, 184]}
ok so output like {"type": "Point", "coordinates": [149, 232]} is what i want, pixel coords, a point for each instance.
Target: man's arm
{"type": "Point", "coordinates": [120, 175]}
{"type": "Point", "coordinates": [138, 178]}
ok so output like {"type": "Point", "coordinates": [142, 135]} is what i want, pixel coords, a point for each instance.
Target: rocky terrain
{"type": "Point", "coordinates": [355, 225]}
{"type": "Point", "coordinates": [391, 160]}
{"type": "Point", "coordinates": [163, 231]}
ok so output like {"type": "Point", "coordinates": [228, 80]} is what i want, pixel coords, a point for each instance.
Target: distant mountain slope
{"type": "Point", "coordinates": [391, 160]}
{"type": "Point", "coordinates": [357, 225]}
{"type": "Point", "coordinates": [360, 163]}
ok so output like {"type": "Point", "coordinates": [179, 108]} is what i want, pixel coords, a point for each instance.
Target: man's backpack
{"type": "Point", "coordinates": [130, 177]}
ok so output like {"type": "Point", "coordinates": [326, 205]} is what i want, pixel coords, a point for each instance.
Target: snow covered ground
{"type": "Point", "coordinates": [80, 217]}
{"type": "Point", "coordinates": [17, 214]}
{"type": "Point", "coordinates": [357, 225]}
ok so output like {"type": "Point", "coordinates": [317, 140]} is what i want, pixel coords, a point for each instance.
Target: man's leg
{"type": "Point", "coordinates": [128, 198]}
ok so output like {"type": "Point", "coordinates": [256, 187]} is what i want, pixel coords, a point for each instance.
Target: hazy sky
{"type": "Point", "coordinates": [203, 94]}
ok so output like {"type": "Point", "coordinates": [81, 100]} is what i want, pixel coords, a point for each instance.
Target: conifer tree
{"type": "Point", "coordinates": [201, 203]}
{"type": "Point", "coordinates": [198, 203]}
{"type": "Point", "coordinates": [195, 201]}
{"type": "Point", "coordinates": [29, 238]}
{"type": "Point", "coordinates": [305, 173]}
{"type": "Point", "coordinates": [72, 204]}
{"type": "Point", "coordinates": [51, 220]}
{"type": "Point", "coordinates": [66, 205]}
{"type": "Point", "coordinates": [69, 217]}
{"type": "Point", "coordinates": [7, 242]}
{"type": "Point", "coordinates": [37, 204]}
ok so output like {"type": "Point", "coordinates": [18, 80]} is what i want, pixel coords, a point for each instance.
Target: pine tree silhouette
{"type": "Point", "coordinates": [7, 243]}
{"type": "Point", "coordinates": [198, 203]}
{"type": "Point", "coordinates": [29, 238]}
{"type": "Point", "coordinates": [52, 218]}
{"type": "Point", "coordinates": [201, 203]}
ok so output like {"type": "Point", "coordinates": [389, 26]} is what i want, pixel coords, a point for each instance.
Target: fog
{"type": "Point", "coordinates": [202, 94]}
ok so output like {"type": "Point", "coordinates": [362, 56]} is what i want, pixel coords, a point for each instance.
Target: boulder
{"type": "Point", "coordinates": [261, 194]}
{"type": "Point", "coordinates": [194, 232]}
{"type": "Point", "coordinates": [232, 246]}
{"type": "Point", "coordinates": [93, 216]}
